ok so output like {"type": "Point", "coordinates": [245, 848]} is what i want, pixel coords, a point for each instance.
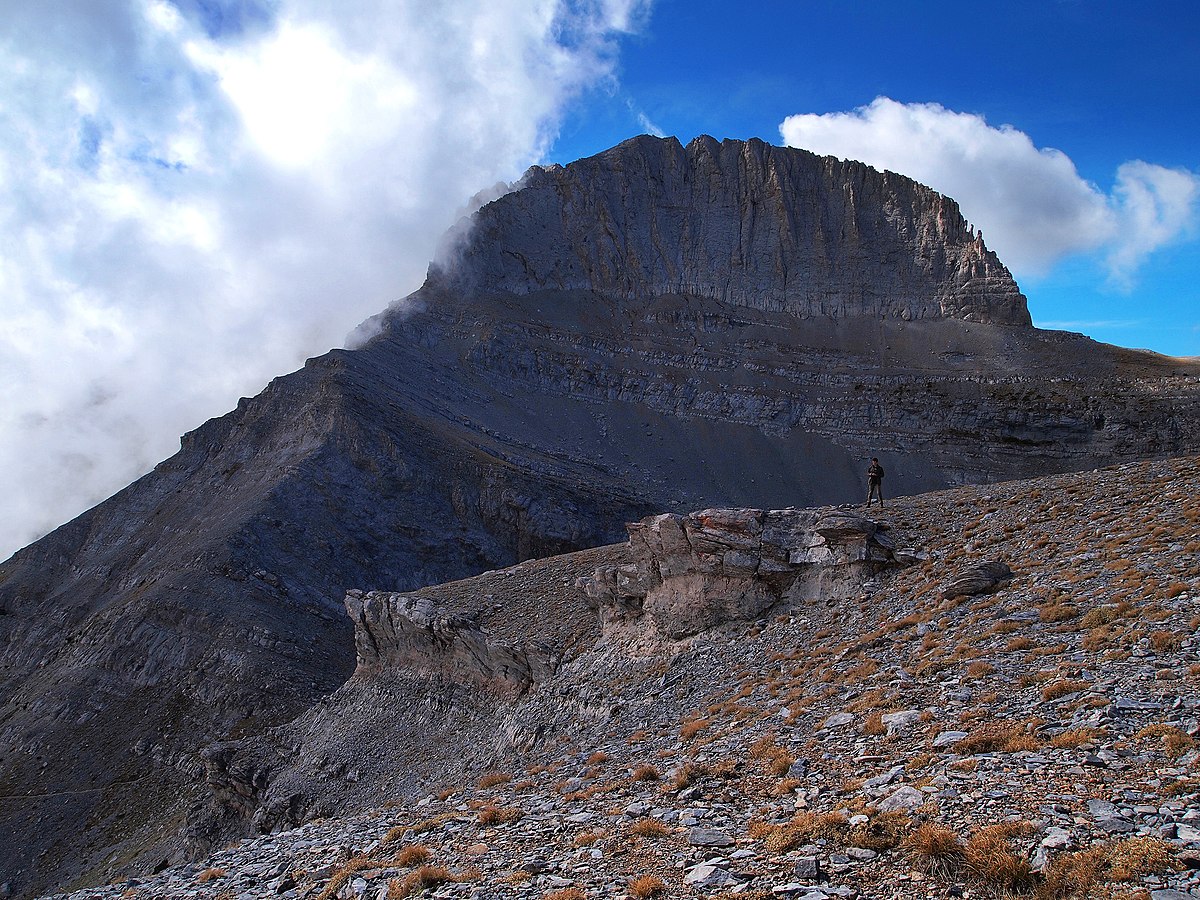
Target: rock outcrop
{"type": "Point", "coordinates": [694, 572]}
{"type": "Point", "coordinates": [656, 329]}
{"type": "Point", "coordinates": [409, 634]}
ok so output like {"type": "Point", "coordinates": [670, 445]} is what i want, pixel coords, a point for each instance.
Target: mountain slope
{"type": "Point", "coordinates": [903, 725]}
{"type": "Point", "coordinates": [656, 328]}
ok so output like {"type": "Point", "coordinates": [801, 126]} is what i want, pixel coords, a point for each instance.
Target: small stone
{"type": "Point", "coordinates": [707, 875]}
{"type": "Point", "coordinates": [838, 720]}
{"type": "Point", "coordinates": [905, 797]}
{"type": "Point", "coordinates": [709, 837]}
{"type": "Point", "coordinates": [946, 738]}
{"type": "Point", "coordinates": [808, 868]}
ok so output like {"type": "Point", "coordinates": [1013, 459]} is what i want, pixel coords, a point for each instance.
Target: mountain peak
{"type": "Point", "coordinates": [749, 224]}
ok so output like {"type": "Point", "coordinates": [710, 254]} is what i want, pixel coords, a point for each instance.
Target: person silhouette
{"type": "Point", "coordinates": [874, 481]}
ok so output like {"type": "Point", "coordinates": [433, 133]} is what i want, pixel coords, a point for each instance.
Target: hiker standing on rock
{"type": "Point", "coordinates": [874, 481]}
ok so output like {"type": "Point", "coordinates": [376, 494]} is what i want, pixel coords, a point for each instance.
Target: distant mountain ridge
{"type": "Point", "coordinates": [657, 328]}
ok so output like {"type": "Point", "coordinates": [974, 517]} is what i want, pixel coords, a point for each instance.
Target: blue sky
{"type": "Point", "coordinates": [196, 195]}
{"type": "Point", "coordinates": [1105, 83]}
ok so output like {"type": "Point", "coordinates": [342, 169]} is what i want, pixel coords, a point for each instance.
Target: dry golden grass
{"type": "Point", "coordinates": [989, 857]}
{"type": "Point", "coordinates": [344, 874]}
{"type": "Point", "coordinates": [1079, 874]}
{"type": "Point", "coordinates": [873, 724]}
{"type": "Point", "coordinates": [980, 669]}
{"type": "Point", "coordinates": [645, 772]}
{"type": "Point", "coordinates": [649, 828]}
{"type": "Point", "coordinates": [1175, 741]}
{"type": "Point", "coordinates": [687, 774]}
{"type": "Point", "coordinates": [1165, 641]}
{"type": "Point", "coordinates": [1058, 612]}
{"type": "Point", "coordinates": [1018, 644]}
{"type": "Point", "coordinates": [1075, 737]}
{"type": "Point", "coordinates": [209, 875]}
{"type": "Point", "coordinates": [571, 893]}
{"type": "Point", "coordinates": [492, 779]}
{"type": "Point", "coordinates": [412, 855]}
{"type": "Point", "coordinates": [1058, 689]}
{"type": "Point", "coordinates": [597, 758]}
{"type": "Point", "coordinates": [422, 878]}
{"type": "Point", "coordinates": [692, 727]}
{"type": "Point", "coordinates": [644, 886]}
{"type": "Point", "coordinates": [935, 850]}
{"type": "Point", "coordinates": [1099, 637]}
{"type": "Point", "coordinates": [498, 815]}
{"type": "Point", "coordinates": [587, 838]}
{"type": "Point", "coordinates": [1008, 737]}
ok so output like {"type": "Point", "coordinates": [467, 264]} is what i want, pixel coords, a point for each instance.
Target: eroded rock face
{"type": "Point", "coordinates": [408, 634]}
{"type": "Point", "coordinates": [772, 228]}
{"type": "Point", "coordinates": [694, 572]}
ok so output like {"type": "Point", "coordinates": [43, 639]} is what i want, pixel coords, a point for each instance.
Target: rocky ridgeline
{"type": "Point", "coordinates": [751, 225]}
{"type": "Point", "coordinates": [1006, 707]}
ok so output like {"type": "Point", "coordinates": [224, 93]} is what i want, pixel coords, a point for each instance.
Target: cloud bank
{"type": "Point", "coordinates": [197, 195]}
{"type": "Point", "coordinates": [1031, 203]}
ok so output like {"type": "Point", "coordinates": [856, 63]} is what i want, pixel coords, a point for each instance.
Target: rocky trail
{"type": "Point", "coordinates": [945, 728]}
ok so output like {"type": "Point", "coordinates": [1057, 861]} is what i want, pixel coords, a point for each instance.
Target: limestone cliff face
{"type": "Point", "coordinates": [746, 223]}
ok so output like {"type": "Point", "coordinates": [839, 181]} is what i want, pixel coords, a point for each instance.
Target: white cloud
{"type": "Point", "coordinates": [1031, 203]}
{"type": "Point", "coordinates": [197, 196]}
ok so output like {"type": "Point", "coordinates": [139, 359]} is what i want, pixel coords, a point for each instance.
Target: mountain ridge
{"type": "Point", "coordinates": [483, 426]}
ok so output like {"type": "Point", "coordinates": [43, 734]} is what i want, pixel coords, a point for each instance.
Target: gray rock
{"type": "Point", "coordinates": [985, 578]}
{"type": "Point", "coordinates": [808, 868]}
{"type": "Point", "coordinates": [708, 876]}
{"type": "Point", "coordinates": [947, 738]}
{"type": "Point", "coordinates": [709, 837]}
{"type": "Point", "coordinates": [905, 797]}
{"type": "Point", "coordinates": [839, 720]}
{"type": "Point", "coordinates": [656, 328]}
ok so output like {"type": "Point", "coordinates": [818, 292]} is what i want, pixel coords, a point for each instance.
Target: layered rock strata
{"type": "Point", "coordinates": [410, 633]}
{"type": "Point", "coordinates": [694, 572]}
{"type": "Point", "coordinates": [747, 224]}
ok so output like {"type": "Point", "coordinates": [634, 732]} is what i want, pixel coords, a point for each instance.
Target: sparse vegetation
{"type": "Point", "coordinates": [412, 855]}
{"type": "Point", "coordinates": [645, 772]}
{"type": "Point", "coordinates": [935, 850]}
{"type": "Point", "coordinates": [645, 886]}
{"type": "Point", "coordinates": [988, 856]}
{"type": "Point", "coordinates": [649, 828]}
{"type": "Point", "coordinates": [422, 878]}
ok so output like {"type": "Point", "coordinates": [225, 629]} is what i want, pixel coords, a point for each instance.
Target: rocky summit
{"type": "Point", "coordinates": [980, 692]}
{"type": "Point", "coordinates": [655, 330]}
